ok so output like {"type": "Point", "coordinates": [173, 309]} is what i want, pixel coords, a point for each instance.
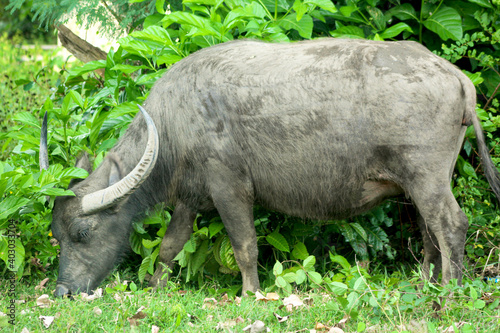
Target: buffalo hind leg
{"type": "Point", "coordinates": [178, 232]}
{"type": "Point", "coordinates": [442, 221]}
{"type": "Point", "coordinates": [432, 253]}
{"type": "Point", "coordinates": [233, 197]}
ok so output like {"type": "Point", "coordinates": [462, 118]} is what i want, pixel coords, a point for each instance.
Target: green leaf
{"type": "Point", "coordinates": [6, 249]}
{"type": "Point", "coordinates": [168, 59]}
{"type": "Point", "coordinates": [378, 17]}
{"type": "Point", "coordinates": [300, 276]}
{"type": "Point", "coordinates": [360, 230]}
{"type": "Point", "coordinates": [315, 277]}
{"type": "Point", "coordinates": [127, 69]}
{"type": "Point", "coordinates": [446, 22]}
{"type": "Point", "coordinates": [479, 304]}
{"type": "Point", "coordinates": [309, 263]}
{"type": "Point", "coordinates": [340, 260]}
{"type": "Point", "coordinates": [300, 251]}
{"type": "Point", "coordinates": [281, 282]}
{"type": "Point", "coordinates": [88, 67]}
{"type": "Point", "coordinates": [59, 192]}
{"type": "Point", "coordinates": [143, 269]}
{"type": "Point", "coordinates": [403, 12]}
{"type": "Point", "coordinates": [214, 228]}
{"type": "Point", "coordinates": [304, 26]}
{"type": "Point", "coordinates": [395, 30]}
{"type": "Point", "coordinates": [154, 33]}
{"type": "Point", "coordinates": [482, 3]}
{"type": "Point", "coordinates": [150, 244]}
{"type": "Point", "coordinates": [10, 205]}
{"type": "Point", "coordinates": [323, 4]}
{"type": "Point", "coordinates": [349, 31]}
{"type": "Point", "coordinates": [338, 288]}
{"type": "Point", "coordinates": [290, 277]}
{"type": "Point", "coordinates": [27, 118]}
{"type": "Point", "coordinates": [278, 241]}
{"type": "Point", "coordinates": [277, 269]}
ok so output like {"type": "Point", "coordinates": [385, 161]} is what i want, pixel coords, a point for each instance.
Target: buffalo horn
{"type": "Point", "coordinates": [43, 153]}
{"type": "Point", "coordinates": [115, 193]}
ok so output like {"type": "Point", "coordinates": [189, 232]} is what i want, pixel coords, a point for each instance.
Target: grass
{"type": "Point", "coordinates": [207, 310]}
{"type": "Point", "coordinates": [27, 77]}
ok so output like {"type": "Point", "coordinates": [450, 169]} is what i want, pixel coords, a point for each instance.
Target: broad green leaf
{"type": "Point", "coordinates": [134, 46]}
{"type": "Point", "coordinates": [349, 31]}
{"type": "Point", "coordinates": [190, 245]}
{"type": "Point", "coordinates": [199, 258]}
{"type": "Point", "coordinates": [360, 230]}
{"type": "Point", "coordinates": [479, 304]}
{"type": "Point", "coordinates": [168, 59]}
{"type": "Point", "coordinates": [154, 33]}
{"type": "Point", "coordinates": [304, 26]}
{"type": "Point", "coordinates": [475, 77]}
{"type": "Point", "coordinates": [27, 118]}
{"type": "Point", "coordinates": [338, 288]}
{"type": "Point", "coordinates": [446, 22]}
{"type": "Point", "coordinates": [348, 10]}
{"type": "Point", "coordinates": [143, 269]}
{"type": "Point", "coordinates": [290, 277]}
{"type": "Point", "coordinates": [300, 8]}
{"type": "Point", "coordinates": [300, 276]}
{"type": "Point", "coordinates": [214, 228]}
{"type": "Point", "coordinates": [88, 67]}
{"type": "Point", "coordinates": [315, 277]}
{"type": "Point", "coordinates": [150, 244]}
{"type": "Point", "coordinates": [280, 282]}
{"type": "Point", "coordinates": [10, 205]}
{"type": "Point", "coordinates": [201, 2]}
{"type": "Point", "coordinates": [340, 260]}
{"type": "Point", "coordinates": [377, 17]}
{"type": "Point", "coordinates": [482, 3]}
{"type": "Point", "coordinates": [395, 30]}
{"type": "Point", "coordinates": [347, 231]}
{"type": "Point", "coordinates": [278, 241]}
{"type": "Point", "coordinates": [277, 269]}
{"type": "Point", "coordinates": [95, 129]}
{"type": "Point", "coordinates": [300, 251]}
{"type": "Point", "coordinates": [309, 263]}
{"type": "Point", "coordinates": [159, 6]}
{"type": "Point", "coordinates": [6, 248]}
{"type": "Point", "coordinates": [359, 284]}
{"type": "Point", "coordinates": [57, 192]}
{"type": "Point", "coordinates": [128, 68]}
{"type": "Point", "coordinates": [323, 4]}
{"type": "Point", "coordinates": [403, 12]}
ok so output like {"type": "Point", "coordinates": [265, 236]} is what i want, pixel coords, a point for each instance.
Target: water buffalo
{"type": "Point", "coordinates": [322, 129]}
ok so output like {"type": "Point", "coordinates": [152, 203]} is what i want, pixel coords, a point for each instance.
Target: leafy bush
{"type": "Point", "coordinates": [89, 113]}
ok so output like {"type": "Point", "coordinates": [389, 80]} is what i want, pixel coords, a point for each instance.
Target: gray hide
{"type": "Point", "coordinates": [322, 129]}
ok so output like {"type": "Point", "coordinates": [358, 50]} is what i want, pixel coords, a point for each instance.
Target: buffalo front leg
{"type": "Point", "coordinates": [178, 232]}
{"type": "Point", "coordinates": [233, 197]}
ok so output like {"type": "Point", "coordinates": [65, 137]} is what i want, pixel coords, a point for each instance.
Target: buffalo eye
{"type": "Point", "coordinates": [83, 235]}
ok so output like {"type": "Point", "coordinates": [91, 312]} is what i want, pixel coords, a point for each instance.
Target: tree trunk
{"type": "Point", "coordinates": [80, 48]}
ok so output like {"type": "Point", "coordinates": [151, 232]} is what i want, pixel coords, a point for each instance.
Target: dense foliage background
{"type": "Point", "coordinates": [88, 112]}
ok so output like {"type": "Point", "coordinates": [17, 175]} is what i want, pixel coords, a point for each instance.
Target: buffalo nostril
{"type": "Point", "coordinates": [61, 291]}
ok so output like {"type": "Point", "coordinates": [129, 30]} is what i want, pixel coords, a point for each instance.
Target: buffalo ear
{"type": "Point", "coordinates": [82, 162]}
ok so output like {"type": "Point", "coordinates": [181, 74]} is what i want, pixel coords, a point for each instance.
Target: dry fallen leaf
{"type": "Point", "coordinates": [336, 330]}
{"type": "Point", "coordinates": [280, 318]}
{"type": "Point", "coordinates": [25, 330]}
{"type": "Point", "coordinates": [229, 323]}
{"type": "Point", "coordinates": [209, 303]}
{"type": "Point", "coordinates": [321, 327]}
{"type": "Point", "coordinates": [342, 322]}
{"type": "Point", "coordinates": [97, 310]}
{"type": "Point", "coordinates": [269, 297]}
{"type": "Point", "coordinates": [292, 302]}
{"type": "Point", "coordinates": [155, 329]}
{"type": "Point", "coordinates": [46, 320]}
{"type": "Point", "coordinates": [44, 301]}
{"type": "Point", "coordinates": [257, 327]}
{"type": "Point", "coordinates": [97, 294]}
{"type": "Point", "coordinates": [41, 285]}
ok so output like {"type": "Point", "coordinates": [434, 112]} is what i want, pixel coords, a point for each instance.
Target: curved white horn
{"type": "Point", "coordinates": [43, 154]}
{"type": "Point", "coordinates": [113, 194]}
